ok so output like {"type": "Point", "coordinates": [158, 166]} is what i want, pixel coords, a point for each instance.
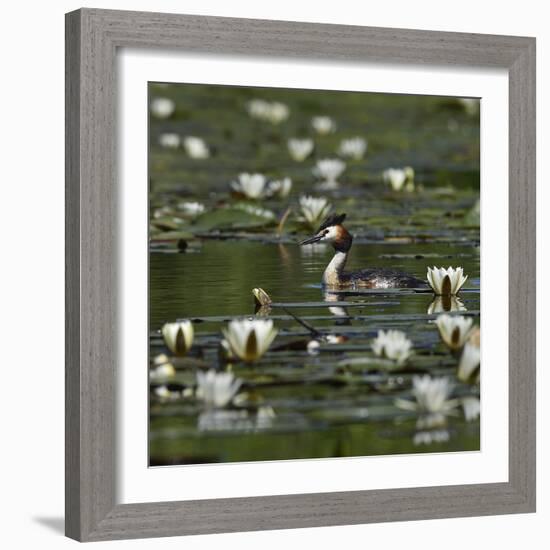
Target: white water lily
{"type": "Point", "coordinates": [454, 330]}
{"type": "Point", "coordinates": [256, 211]}
{"type": "Point", "coordinates": [252, 186]}
{"type": "Point", "coordinates": [249, 339]}
{"type": "Point", "coordinates": [354, 148]}
{"type": "Point", "coordinates": [314, 209]}
{"type": "Point", "coordinates": [471, 407]}
{"type": "Point", "coordinates": [446, 282]}
{"type": "Point", "coordinates": [178, 337]}
{"type": "Point", "coordinates": [224, 351]}
{"type": "Point", "coordinates": [220, 420]}
{"type": "Point", "coordinates": [392, 344]}
{"type": "Point", "coordinates": [323, 124]}
{"type": "Point", "coordinates": [442, 304]}
{"type": "Point", "coordinates": [329, 169]}
{"type": "Point", "coordinates": [162, 212]}
{"type": "Point", "coordinates": [280, 188]}
{"type": "Point", "coordinates": [160, 359]}
{"type": "Point", "coordinates": [470, 358]}
{"type": "Point", "coordinates": [431, 401]}
{"type": "Point", "coordinates": [277, 112]}
{"type": "Point", "coordinates": [195, 147]}
{"type": "Point", "coordinates": [162, 368]}
{"type": "Point", "coordinates": [162, 372]}
{"type": "Point", "coordinates": [164, 393]}
{"type": "Point", "coordinates": [399, 178]}
{"type": "Point", "coordinates": [470, 104]}
{"type": "Point", "coordinates": [432, 394]}
{"type": "Point", "coordinates": [265, 417]}
{"type": "Point", "coordinates": [192, 208]}
{"type": "Point", "coordinates": [169, 140]}
{"type": "Point", "coordinates": [217, 389]}
{"type": "Point", "coordinates": [162, 107]}
{"type": "Point", "coordinates": [258, 108]}
{"type": "Point", "coordinates": [300, 149]}
{"type": "Point", "coordinates": [473, 216]}
{"type": "Point", "coordinates": [269, 111]}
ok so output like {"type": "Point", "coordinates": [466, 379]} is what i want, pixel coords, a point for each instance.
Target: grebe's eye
{"type": "Point", "coordinates": [325, 232]}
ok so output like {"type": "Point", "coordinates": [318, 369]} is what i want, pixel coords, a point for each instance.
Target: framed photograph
{"type": "Point", "coordinates": [300, 275]}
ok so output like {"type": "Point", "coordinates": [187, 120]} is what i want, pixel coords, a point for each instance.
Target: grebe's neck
{"type": "Point", "coordinates": [334, 273]}
{"type": "Point", "coordinates": [335, 269]}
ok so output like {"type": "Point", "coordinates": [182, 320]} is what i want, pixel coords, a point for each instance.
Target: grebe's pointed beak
{"type": "Point", "coordinates": [311, 240]}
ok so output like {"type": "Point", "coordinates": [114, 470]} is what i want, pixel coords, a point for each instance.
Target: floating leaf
{"type": "Point", "coordinates": [232, 219]}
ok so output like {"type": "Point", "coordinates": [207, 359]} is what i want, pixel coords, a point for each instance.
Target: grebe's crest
{"type": "Point", "coordinates": [331, 231]}
{"type": "Point", "coordinates": [333, 219]}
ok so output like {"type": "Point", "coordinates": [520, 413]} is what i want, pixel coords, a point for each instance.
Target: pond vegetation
{"type": "Point", "coordinates": [238, 177]}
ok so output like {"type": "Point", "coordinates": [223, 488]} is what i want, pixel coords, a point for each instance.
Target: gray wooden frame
{"type": "Point", "coordinates": [92, 39]}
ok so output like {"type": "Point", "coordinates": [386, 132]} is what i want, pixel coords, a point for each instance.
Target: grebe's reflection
{"type": "Point", "coordinates": [340, 312]}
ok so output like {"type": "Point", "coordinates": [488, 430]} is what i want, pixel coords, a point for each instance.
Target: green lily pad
{"type": "Point", "coordinates": [231, 219]}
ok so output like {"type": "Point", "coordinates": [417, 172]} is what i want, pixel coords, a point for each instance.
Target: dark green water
{"type": "Point", "coordinates": [339, 402]}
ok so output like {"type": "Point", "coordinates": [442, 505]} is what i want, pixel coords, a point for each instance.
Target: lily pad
{"type": "Point", "coordinates": [231, 219]}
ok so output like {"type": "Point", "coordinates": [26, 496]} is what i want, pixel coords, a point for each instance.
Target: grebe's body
{"type": "Point", "coordinates": [333, 231]}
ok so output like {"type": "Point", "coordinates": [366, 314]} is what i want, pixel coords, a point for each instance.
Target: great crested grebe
{"type": "Point", "coordinates": [332, 231]}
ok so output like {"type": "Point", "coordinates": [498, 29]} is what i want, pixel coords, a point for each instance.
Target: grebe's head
{"type": "Point", "coordinates": [332, 231]}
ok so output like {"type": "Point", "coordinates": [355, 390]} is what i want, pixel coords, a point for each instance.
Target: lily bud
{"type": "Point", "coordinates": [261, 297]}
{"type": "Point", "coordinates": [446, 282]}
{"type": "Point", "coordinates": [178, 337]}
{"type": "Point", "coordinates": [249, 339]}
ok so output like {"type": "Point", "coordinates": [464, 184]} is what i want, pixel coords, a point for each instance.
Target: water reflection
{"type": "Point", "coordinates": [220, 420]}
{"type": "Point", "coordinates": [284, 255]}
{"type": "Point", "coordinates": [262, 310]}
{"type": "Point", "coordinates": [340, 312]}
{"type": "Point", "coordinates": [314, 249]}
{"type": "Point", "coordinates": [430, 437]}
{"type": "Point", "coordinates": [442, 304]}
